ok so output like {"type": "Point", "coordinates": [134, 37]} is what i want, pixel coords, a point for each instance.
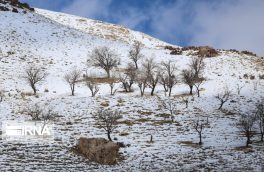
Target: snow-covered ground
{"type": "Point", "coordinates": [60, 42]}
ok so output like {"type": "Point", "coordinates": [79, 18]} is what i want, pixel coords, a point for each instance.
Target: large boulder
{"type": "Point", "coordinates": [99, 150]}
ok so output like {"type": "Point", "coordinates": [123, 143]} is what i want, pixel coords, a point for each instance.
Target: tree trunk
{"type": "Point", "coordinates": [136, 64]}
{"type": "Point", "coordinates": [34, 89]}
{"type": "Point", "coordinates": [130, 86]}
{"type": "Point", "coordinates": [248, 141]}
{"type": "Point", "coordinates": [170, 91]}
{"type": "Point", "coordinates": [191, 88]}
{"type": "Point", "coordinates": [108, 135]}
{"type": "Point", "coordinates": [72, 89]}
{"type": "Point", "coordinates": [198, 91]}
{"type": "Point", "coordinates": [108, 73]}
{"type": "Point", "coordinates": [152, 91]}
{"type": "Point", "coordinates": [200, 135]}
{"type": "Point", "coordinates": [125, 86]}
{"type": "Point", "coordinates": [262, 134]}
{"type": "Point", "coordinates": [221, 105]}
{"type": "Point", "coordinates": [141, 93]}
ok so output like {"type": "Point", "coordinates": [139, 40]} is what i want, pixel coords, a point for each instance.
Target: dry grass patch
{"type": "Point", "coordinates": [127, 122]}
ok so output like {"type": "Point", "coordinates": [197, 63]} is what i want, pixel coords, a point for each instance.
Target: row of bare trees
{"type": "Point", "coordinates": [147, 75]}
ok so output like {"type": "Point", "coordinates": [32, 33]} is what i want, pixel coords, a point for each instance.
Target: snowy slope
{"type": "Point", "coordinates": [102, 29]}
{"type": "Point", "coordinates": [59, 42]}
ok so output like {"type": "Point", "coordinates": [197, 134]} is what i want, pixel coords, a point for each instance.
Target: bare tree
{"type": "Point", "coordinates": [33, 76]}
{"type": "Point", "coordinates": [223, 97]}
{"type": "Point", "coordinates": [197, 83]}
{"type": "Point", "coordinates": [185, 100]}
{"type": "Point", "coordinates": [188, 77]}
{"type": "Point", "coordinates": [104, 58]}
{"type": "Point", "coordinates": [194, 75]}
{"type": "Point", "coordinates": [112, 83]}
{"type": "Point", "coordinates": [92, 85]}
{"type": "Point", "coordinates": [239, 88]}
{"type": "Point", "coordinates": [44, 113]}
{"type": "Point", "coordinates": [108, 120]}
{"type": "Point", "coordinates": [197, 65]}
{"type": "Point", "coordinates": [260, 118]}
{"type": "Point", "coordinates": [170, 105]}
{"type": "Point", "coordinates": [123, 79]}
{"type": "Point", "coordinates": [163, 80]}
{"type": "Point", "coordinates": [199, 125]}
{"type": "Point", "coordinates": [142, 80]}
{"type": "Point", "coordinates": [151, 70]}
{"type": "Point", "coordinates": [129, 77]}
{"type": "Point", "coordinates": [72, 78]}
{"type": "Point", "coordinates": [135, 53]}
{"type": "Point", "coordinates": [245, 124]}
{"type": "Point", "coordinates": [169, 69]}
{"type": "Point", "coordinates": [35, 111]}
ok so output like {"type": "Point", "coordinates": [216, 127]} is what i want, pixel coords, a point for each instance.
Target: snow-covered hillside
{"type": "Point", "coordinates": [60, 42]}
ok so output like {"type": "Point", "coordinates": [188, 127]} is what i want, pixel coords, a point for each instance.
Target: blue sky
{"type": "Point", "coordinates": [228, 24]}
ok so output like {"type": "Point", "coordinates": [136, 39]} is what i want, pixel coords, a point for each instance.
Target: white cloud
{"type": "Point", "coordinates": [238, 25]}
{"type": "Point", "coordinates": [131, 17]}
{"type": "Point", "coordinates": [92, 8]}
{"type": "Point", "coordinates": [222, 24]}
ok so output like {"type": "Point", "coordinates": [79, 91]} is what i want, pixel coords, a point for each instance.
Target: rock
{"type": "Point", "coordinates": [99, 150]}
{"type": "Point", "coordinates": [3, 8]}
{"type": "Point", "coordinates": [15, 10]}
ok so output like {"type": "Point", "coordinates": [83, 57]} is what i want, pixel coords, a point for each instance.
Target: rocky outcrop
{"type": "Point", "coordinates": [201, 51]}
{"type": "Point", "coordinates": [99, 150]}
{"type": "Point", "coordinates": [15, 4]}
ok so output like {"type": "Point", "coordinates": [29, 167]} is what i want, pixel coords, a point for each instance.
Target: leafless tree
{"type": "Point", "coordinates": [239, 88]}
{"type": "Point", "coordinates": [163, 80]}
{"type": "Point", "coordinates": [124, 80]}
{"type": "Point", "coordinates": [260, 118]}
{"type": "Point", "coordinates": [185, 100]}
{"type": "Point", "coordinates": [72, 78]}
{"type": "Point", "coordinates": [170, 105]}
{"type": "Point", "coordinates": [151, 70]}
{"type": "Point", "coordinates": [245, 124]}
{"type": "Point", "coordinates": [168, 75]}
{"type": "Point", "coordinates": [33, 76]}
{"type": "Point", "coordinates": [197, 65]}
{"type": "Point", "coordinates": [197, 83]}
{"type": "Point", "coordinates": [129, 77]}
{"type": "Point", "coordinates": [188, 77]}
{"type": "Point", "coordinates": [35, 111]}
{"type": "Point", "coordinates": [223, 97]}
{"type": "Point", "coordinates": [108, 120]}
{"type": "Point", "coordinates": [135, 53]}
{"type": "Point", "coordinates": [92, 85]}
{"type": "Point", "coordinates": [112, 83]}
{"type": "Point", "coordinates": [104, 58]}
{"type": "Point", "coordinates": [142, 80]}
{"type": "Point", "coordinates": [199, 125]}
{"type": "Point", "coordinates": [194, 75]}
{"type": "Point", "coordinates": [44, 113]}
